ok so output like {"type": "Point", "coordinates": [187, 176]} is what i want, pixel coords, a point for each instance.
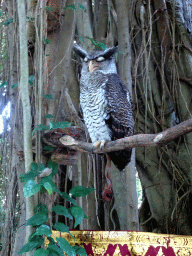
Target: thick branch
{"type": "Point", "coordinates": [140, 140]}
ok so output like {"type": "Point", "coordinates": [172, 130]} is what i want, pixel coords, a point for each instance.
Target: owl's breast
{"type": "Point", "coordinates": [93, 103]}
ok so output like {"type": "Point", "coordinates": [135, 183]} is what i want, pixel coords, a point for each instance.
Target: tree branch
{"type": "Point", "coordinates": [140, 140]}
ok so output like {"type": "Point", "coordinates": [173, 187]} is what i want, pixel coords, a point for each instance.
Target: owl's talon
{"type": "Point", "coordinates": [96, 144]}
{"type": "Point", "coordinates": [102, 143]}
{"type": "Point", "coordinates": [99, 143]}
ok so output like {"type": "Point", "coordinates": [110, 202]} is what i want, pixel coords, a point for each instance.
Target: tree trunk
{"type": "Point", "coordinates": [154, 61]}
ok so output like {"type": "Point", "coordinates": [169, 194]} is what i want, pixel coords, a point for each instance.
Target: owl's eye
{"type": "Point", "coordinates": [86, 59]}
{"type": "Point", "coordinates": [99, 59]}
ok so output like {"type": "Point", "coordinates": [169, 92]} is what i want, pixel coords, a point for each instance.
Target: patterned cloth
{"type": "Point", "coordinates": [124, 243]}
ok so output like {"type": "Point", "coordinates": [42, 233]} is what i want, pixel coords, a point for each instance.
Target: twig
{"type": "Point", "coordinates": [178, 203]}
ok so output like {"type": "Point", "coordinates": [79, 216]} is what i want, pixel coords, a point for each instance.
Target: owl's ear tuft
{"type": "Point", "coordinates": [79, 51]}
{"type": "Point", "coordinates": [109, 52]}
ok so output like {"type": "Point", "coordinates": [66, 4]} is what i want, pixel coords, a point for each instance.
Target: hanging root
{"type": "Point", "coordinates": [107, 192]}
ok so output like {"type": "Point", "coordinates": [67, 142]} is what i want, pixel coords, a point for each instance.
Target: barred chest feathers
{"type": "Point", "coordinates": [93, 103]}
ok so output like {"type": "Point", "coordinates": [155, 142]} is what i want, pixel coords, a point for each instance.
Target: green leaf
{"type": "Point", "coordinates": [61, 227]}
{"type": "Point", "coordinates": [49, 116]}
{"type": "Point", "coordinates": [71, 7]}
{"type": "Point", "coordinates": [40, 127]}
{"type": "Point", "coordinates": [48, 187]}
{"type": "Point", "coordinates": [48, 96]}
{"type": "Point", "coordinates": [80, 250]}
{"type": "Point", "coordinates": [30, 188]}
{"type": "Point", "coordinates": [52, 125]}
{"type": "Point", "coordinates": [51, 240]}
{"type": "Point", "coordinates": [34, 166]}
{"type": "Point", "coordinates": [54, 166]}
{"type": "Point", "coordinates": [99, 45]}
{"type": "Point", "coordinates": [48, 148]}
{"type": "Point", "coordinates": [14, 85]}
{"type": "Point", "coordinates": [38, 239]}
{"type": "Point", "coordinates": [41, 208]}
{"type": "Point", "coordinates": [33, 173]}
{"type": "Point", "coordinates": [68, 198]}
{"type": "Point", "coordinates": [3, 84]}
{"type": "Point", "coordinates": [81, 39]}
{"type": "Point", "coordinates": [47, 41]}
{"type": "Point", "coordinates": [78, 214]}
{"type": "Point", "coordinates": [43, 230]}
{"type": "Point", "coordinates": [61, 210]}
{"type": "Point", "coordinates": [40, 168]}
{"type": "Point", "coordinates": [49, 8]}
{"type": "Point", "coordinates": [80, 191]}
{"type": "Point", "coordinates": [82, 7]}
{"type": "Point", "coordinates": [31, 80]}
{"type": "Point", "coordinates": [31, 19]}
{"type": "Point", "coordinates": [37, 219]}
{"type": "Point", "coordinates": [28, 176]}
{"type": "Point", "coordinates": [65, 246]}
{"type": "Point", "coordinates": [29, 246]}
{"type": "Point", "coordinates": [7, 22]}
{"type": "Point", "coordinates": [62, 125]}
{"type": "Point", "coordinates": [1, 13]}
{"type": "Point", "coordinates": [41, 252]}
{"type": "Point", "coordinates": [49, 179]}
{"type": "Point", "coordinates": [55, 249]}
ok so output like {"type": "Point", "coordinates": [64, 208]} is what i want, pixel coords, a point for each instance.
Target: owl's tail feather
{"type": "Point", "coordinates": [121, 158]}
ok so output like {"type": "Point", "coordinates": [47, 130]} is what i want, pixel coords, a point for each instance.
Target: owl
{"type": "Point", "coordinates": [105, 102]}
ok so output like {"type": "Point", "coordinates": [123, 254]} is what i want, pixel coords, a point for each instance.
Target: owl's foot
{"type": "Point", "coordinates": [99, 143]}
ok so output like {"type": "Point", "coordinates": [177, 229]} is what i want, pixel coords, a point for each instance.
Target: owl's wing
{"type": "Point", "coordinates": [119, 107]}
{"type": "Point", "coordinates": [120, 117]}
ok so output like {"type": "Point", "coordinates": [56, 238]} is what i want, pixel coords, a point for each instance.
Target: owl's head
{"type": "Point", "coordinates": [97, 60]}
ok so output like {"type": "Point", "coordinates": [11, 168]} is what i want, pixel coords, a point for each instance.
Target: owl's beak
{"type": "Point", "coordinates": [93, 65]}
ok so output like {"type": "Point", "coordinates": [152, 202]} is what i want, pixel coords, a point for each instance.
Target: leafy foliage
{"type": "Point", "coordinates": [61, 227]}
{"type": "Point", "coordinates": [4, 84]}
{"type": "Point", "coordinates": [40, 127]}
{"type": "Point", "coordinates": [41, 252]}
{"type": "Point", "coordinates": [62, 125]}
{"type": "Point", "coordinates": [49, 116]}
{"type": "Point", "coordinates": [79, 250]}
{"type": "Point", "coordinates": [78, 214]}
{"type": "Point", "coordinates": [75, 7]}
{"type": "Point", "coordinates": [31, 80]}
{"type": "Point", "coordinates": [55, 250]}
{"type": "Point", "coordinates": [31, 188]}
{"type": "Point", "coordinates": [14, 85]}
{"type": "Point", "coordinates": [99, 45]}
{"type": "Point", "coordinates": [53, 125]}
{"type": "Point", "coordinates": [49, 8]}
{"type": "Point", "coordinates": [61, 210]}
{"type": "Point", "coordinates": [7, 22]}
{"type": "Point", "coordinates": [65, 246]}
{"type": "Point", "coordinates": [48, 148]}
{"type": "Point", "coordinates": [47, 41]}
{"type": "Point", "coordinates": [69, 198]}
{"type": "Point", "coordinates": [37, 219]}
{"type": "Point", "coordinates": [40, 217]}
{"type": "Point", "coordinates": [43, 230]}
{"type": "Point", "coordinates": [80, 191]}
{"type": "Point", "coordinates": [29, 246]}
{"type": "Point", "coordinates": [48, 187]}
